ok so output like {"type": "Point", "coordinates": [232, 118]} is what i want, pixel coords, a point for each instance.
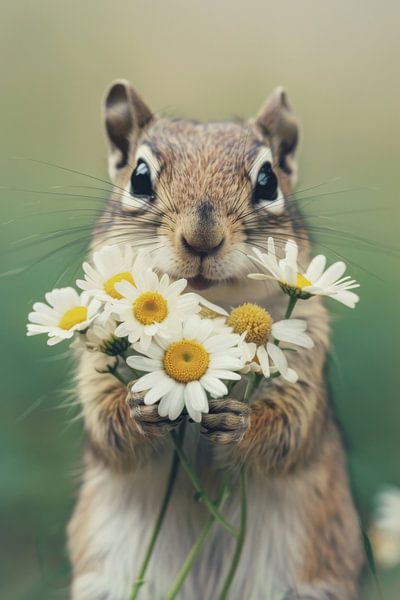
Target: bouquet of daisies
{"type": "Point", "coordinates": [181, 352]}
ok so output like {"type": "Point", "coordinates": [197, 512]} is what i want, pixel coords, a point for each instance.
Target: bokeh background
{"type": "Point", "coordinates": [208, 60]}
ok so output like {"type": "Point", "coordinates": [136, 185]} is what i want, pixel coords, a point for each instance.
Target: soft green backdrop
{"type": "Point", "coordinates": [205, 59]}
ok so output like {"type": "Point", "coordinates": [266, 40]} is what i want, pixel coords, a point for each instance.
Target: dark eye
{"type": "Point", "coordinates": [141, 181]}
{"type": "Point", "coordinates": [266, 187]}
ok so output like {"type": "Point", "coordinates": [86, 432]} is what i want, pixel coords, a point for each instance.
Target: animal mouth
{"type": "Point", "coordinates": [200, 283]}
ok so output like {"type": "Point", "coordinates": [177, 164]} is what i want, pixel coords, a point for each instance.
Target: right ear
{"type": "Point", "coordinates": [125, 116]}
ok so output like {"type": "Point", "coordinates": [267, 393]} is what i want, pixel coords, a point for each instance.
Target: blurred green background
{"type": "Point", "coordinates": [208, 60]}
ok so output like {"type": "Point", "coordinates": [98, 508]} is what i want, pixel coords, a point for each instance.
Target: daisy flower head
{"type": "Point", "coordinates": [196, 360]}
{"type": "Point", "coordinates": [100, 337]}
{"type": "Point", "coordinates": [260, 336]}
{"type": "Point", "coordinates": [384, 532]}
{"type": "Point", "coordinates": [111, 264]}
{"type": "Point", "coordinates": [314, 281]}
{"type": "Point", "coordinates": [66, 311]}
{"type": "Point", "coordinates": [152, 306]}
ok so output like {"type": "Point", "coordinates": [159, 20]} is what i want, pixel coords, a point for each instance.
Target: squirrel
{"type": "Point", "coordinates": [199, 216]}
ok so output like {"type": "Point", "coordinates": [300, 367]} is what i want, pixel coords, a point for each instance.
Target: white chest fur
{"type": "Point", "coordinates": [123, 514]}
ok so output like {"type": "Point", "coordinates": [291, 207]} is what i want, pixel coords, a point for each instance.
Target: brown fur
{"type": "Point", "coordinates": [287, 437]}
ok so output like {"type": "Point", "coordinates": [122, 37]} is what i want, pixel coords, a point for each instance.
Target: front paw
{"type": "Point", "coordinates": [227, 421]}
{"type": "Point", "coordinates": [146, 418]}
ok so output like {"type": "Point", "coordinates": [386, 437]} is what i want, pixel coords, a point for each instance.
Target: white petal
{"type": "Point", "coordinates": [349, 299]}
{"type": "Point", "coordinates": [206, 327]}
{"type": "Point", "coordinates": [176, 401]}
{"type": "Point", "coordinates": [126, 289]}
{"type": "Point", "coordinates": [291, 254]}
{"type": "Point", "coordinates": [155, 351]}
{"type": "Point", "coordinates": [225, 374]}
{"type": "Point", "coordinates": [54, 340]}
{"type": "Point", "coordinates": [42, 319]}
{"type": "Point", "coordinates": [145, 341]}
{"type": "Point", "coordinates": [142, 363]}
{"type": "Point", "coordinates": [284, 332]}
{"type": "Point", "coordinates": [195, 397]}
{"type": "Point", "coordinates": [176, 288]}
{"type": "Point", "coordinates": [149, 381]}
{"type": "Point", "coordinates": [259, 276]}
{"type": "Point", "coordinates": [160, 389]}
{"type": "Point", "coordinates": [263, 359]}
{"type": "Point", "coordinates": [151, 330]}
{"type": "Point", "coordinates": [316, 268]}
{"type": "Point", "coordinates": [290, 375]}
{"type": "Point", "coordinates": [214, 307]}
{"type": "Point", "coordinates": [213, 385]}
{"type": "Point", "coordinates": [221, 342]}
{"type": "Point", "coordinates": [332, 273]}
{"type": "Point", "coordinates": [163, 406]}
{"type": "Point", "coordinates": [278, 358]}
{"type": "Point", "coordinates": [191, 327]}
{"type": "Point", "coordinates": [225, 362]}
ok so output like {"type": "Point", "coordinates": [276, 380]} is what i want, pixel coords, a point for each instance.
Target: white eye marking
{"type": "Point", "coordinates": [277, 206]}
{"type": "Point", "coordinates": [264, 155]}
{"type": "Point", "coordinates": [143, 153]}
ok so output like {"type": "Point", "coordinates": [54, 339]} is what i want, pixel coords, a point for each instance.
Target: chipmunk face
{"type": "Point", "coordinates": [199, 196]}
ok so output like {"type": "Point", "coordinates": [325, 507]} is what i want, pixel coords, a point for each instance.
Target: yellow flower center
{"type": "Point", "coordinates": [150, 307]}
{"type": "Point", "coordinates": [73, 316]}
{"type": "Point", "coordinates": [254, 319]}
{"type": "Point", "coordinates": [301, 281]}
{"type": "Point", "coordinates": [186, 360]}
{"type": "Point", "coordinates": [109, 284]}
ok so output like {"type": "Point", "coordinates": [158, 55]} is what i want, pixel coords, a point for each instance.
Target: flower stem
{"type": "Point", "coordinates": [198, 545]}
{"type": "Point", "coordinates": [140, 580]}
{"type": "Point", "coordinates": [240, 540]}
{"type": "Point", "coordinates": [253, 382]}
{"type": "Point", "coordinates": [202, 496]}
{"type": "Point", "coordinates": [290, 307]}
{"type": "Point", "coordinates": [118, 376]}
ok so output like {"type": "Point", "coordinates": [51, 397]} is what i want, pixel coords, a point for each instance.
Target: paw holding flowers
{"type": "Point", "coordinates": [227, 422]}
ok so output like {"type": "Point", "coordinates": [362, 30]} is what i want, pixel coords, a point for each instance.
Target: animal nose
{"type": "Point", "coordinates": [201, 249]}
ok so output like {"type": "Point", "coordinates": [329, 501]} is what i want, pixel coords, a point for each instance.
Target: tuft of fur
{"type": "Point", "coordinates": [303, 539]}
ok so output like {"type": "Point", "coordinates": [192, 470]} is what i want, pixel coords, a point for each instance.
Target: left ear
{"type": "Point", "coordinates": [277, 122]}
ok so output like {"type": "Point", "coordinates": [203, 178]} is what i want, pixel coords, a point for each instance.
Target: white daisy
{"type": "Point", "coordinates": [196, 360]}
{"type": "Point", "coordinates": [112, 264]}
{"type": "Point", "coordinates": [153, 306]}
{"type": "Point", "coordinates": [100, 337]}
{"type": "Point", "coordinates": [260, 337]}
{"type": "Point", "coordinates": [385, 529]}
{"type": "Point", "coordinates": [65, 312]}
{"type": "Point", "coordinates": [315, 280]}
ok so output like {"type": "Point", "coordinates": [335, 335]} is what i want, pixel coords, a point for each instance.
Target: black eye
{"type": "Point", "coordinates": [141, 181]}
{"type": "Point", "coordinates": [266, 187]}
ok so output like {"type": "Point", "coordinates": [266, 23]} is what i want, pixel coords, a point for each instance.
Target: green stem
{"type": "Point", "coordinates": [198, 545]}
{"type": "Point", "coordinates": [240, 540]}
{"type": "Point", "coordinates": [118, 376]}
{"type": "Point", "coordinates": [253, 381]}
{"type": "Point", "coordinates": [140, 580]}
{"type": "Point", "coordinates": [213, 509]}
{"type": "Point", "coordinates": [290, 307]}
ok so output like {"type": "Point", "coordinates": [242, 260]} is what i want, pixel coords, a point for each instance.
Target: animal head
{"type": "Point", "coordinates": [199, 196]}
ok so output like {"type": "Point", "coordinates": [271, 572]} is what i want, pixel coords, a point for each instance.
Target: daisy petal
{"type": "Point", "coordinates": [149, 381]}
{"type": "Point", "coordinates": [160, 389]}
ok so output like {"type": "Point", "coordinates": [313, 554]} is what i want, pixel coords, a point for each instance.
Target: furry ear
{"type": "Point", "coordinates": [125, 116]}
{"type": "Point", "coordinates": [277, 122]}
